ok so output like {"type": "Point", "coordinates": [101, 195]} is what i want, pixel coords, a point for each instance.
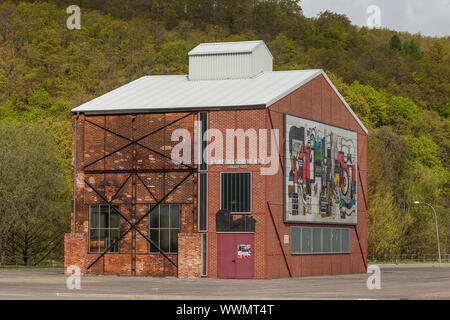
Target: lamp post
{"type": "Point", "coordinates": [437, 231]}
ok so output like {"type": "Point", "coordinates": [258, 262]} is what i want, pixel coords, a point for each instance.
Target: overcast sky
{"type": "Point", "coordinates": [429, 17]}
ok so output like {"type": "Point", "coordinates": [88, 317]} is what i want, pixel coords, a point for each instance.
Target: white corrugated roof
{"type": "Point", "coordinates": [226, 47]}
{"type": "Point", "coordinates": [176, 93]}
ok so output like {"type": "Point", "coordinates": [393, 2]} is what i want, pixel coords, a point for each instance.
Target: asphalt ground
{"type": "Point", "coordinates": [404, 281]}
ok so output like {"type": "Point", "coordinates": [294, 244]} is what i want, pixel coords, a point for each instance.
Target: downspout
{"type": "Point", "coordinates": [75, 170]}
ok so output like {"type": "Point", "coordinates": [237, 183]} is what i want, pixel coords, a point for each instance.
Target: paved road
{"type": "Point", "coordinates": [421, 281]}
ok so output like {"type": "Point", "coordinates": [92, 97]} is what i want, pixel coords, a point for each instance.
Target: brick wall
{"type": "Point", "coordinates": [317, 101]}
{"type": "Point", "coordinates": [189, 255]}
{"type": "Point", "coordinates": [75, 251]}
{"type": "Point", "coordinates": [107, 139]}
{"type": "Point", "coordinates": [237, 119]}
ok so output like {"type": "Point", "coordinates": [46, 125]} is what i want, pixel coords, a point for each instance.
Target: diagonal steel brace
{"type": "Point", "coordinates": [137, 140]}
{"type": "Point", "coordinates": [134, 225]}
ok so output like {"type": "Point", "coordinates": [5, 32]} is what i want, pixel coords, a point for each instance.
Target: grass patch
{"type": "Point", "coordinates": [404, 262]}
{"type": "Point", "coordinates": [31, 266]}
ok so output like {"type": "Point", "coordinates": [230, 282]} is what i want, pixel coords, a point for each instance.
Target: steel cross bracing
{"type": "Point", "coordinates": [133, 175]}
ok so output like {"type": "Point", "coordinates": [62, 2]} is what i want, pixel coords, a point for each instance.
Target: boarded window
{"type": "Point", "coordinates": [225, 221]}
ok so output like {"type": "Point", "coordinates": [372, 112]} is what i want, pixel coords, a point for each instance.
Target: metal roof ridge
{"type": "Point", "coordinates": [256, 43]}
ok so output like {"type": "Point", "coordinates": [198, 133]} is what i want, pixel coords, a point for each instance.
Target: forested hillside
{"type": "Point", "coordinates": [397, 83]}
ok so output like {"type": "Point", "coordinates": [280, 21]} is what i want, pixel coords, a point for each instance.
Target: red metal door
{"type": "Point", "coordinates": [235, 255]}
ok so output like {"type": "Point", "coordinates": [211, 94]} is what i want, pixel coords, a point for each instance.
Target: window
{"type": "Point", "coordinates": [295, 239]}
{"type": "Point", "coordinates": [164, 226]}
{"type": "Point", "coordinates": [345, 240]}
{"type": "Point", "coordinates": [317, 240]}
{"type": "Point", "coordinates": [336, 240]}
{"type": "Point", "coordinates": [203, 204]}
{"type": "Point", "coordinates": [203, 191]}
{"type": "Point", "coordinates": [235, 192]}
{"type": "Point", "coordinates": [103, 228]}
{"type": "Point", "coordinates": [307, 240]}
{"type": "Point", "coordinates": [204, 254]}
{"type": "Point", "coordinates": [326, 237]}
{"type": "Point", "coordinates": [203, 143]}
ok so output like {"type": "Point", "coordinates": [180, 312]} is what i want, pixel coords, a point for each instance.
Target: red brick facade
{"type": "Point", "coordinates": [109, 138]}
{"type": "Point", "coordinates": [189, 255]}
{"type": "Point", "coordinates": [316, 100]}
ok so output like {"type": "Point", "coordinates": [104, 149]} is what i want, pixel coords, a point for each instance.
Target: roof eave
{"type": "Point", "coordinates": [170, 109]}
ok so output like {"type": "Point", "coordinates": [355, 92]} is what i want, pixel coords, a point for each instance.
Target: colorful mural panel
{"type": "Point", "coordinates": [320, 172]}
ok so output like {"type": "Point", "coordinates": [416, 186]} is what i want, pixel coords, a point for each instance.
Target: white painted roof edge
{"type": "Point", "coordinates": [292, 89]}
{"type": "Point", "coordinates": [345, 102]}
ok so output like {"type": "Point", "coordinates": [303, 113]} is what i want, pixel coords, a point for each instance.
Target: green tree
{"type": "Point", "coordinates": [33, 202]}
{"type": "Point", "coordinates": [423, 150]}
{"type": "Point", "coordinates": [412, 49]}
{"type": "Point", "coordinates": [395, 43]}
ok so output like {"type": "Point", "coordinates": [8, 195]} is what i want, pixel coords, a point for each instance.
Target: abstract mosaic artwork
{"type": "Point", "coordinates": [320, 172]}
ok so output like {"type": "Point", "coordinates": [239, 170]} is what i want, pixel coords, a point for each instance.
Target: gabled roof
{"type": "Point", "coordinates": [227, 47]}
{"type": "Point", "coordinates": [169, 93]}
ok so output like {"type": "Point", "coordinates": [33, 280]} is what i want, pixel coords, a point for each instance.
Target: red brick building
{"type": "Point", "coordinates": [136, 211]}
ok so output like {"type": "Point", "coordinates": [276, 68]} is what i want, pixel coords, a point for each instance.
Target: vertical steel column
{"type": "Point", "coordinates": [75, 172]}
{"type": "Point", "coordinates": [133, 199]}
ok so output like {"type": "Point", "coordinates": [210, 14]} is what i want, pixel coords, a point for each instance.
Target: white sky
{"type": "Point", "coordinates": [429, 17]}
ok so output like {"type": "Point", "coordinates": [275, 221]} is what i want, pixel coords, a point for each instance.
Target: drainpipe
{"type": "Point", "coordinates": [75, 170]}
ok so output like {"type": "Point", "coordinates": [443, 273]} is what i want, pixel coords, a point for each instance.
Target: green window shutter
{"type": "Point", "coordinates": [326, 238]}
{"type": "Point", "coordinates": [345, 240]}
{"type": "Point", "coordinates": [295, 239]}
{"type": "Point", "coordinates": [317, 240]}
{"type": "Point", "coordinates": [306, 240]}
{"type": "Point", "coordinates": [337, 240]}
